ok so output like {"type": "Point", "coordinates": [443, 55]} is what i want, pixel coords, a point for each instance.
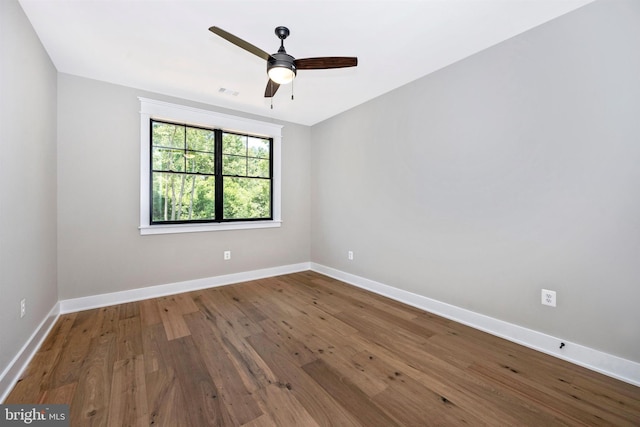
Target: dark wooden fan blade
{"type": "Point", "coordinates": [272, 88]}
{"type": "Point", "coordinates": [326, 62]}
{"type": "Point", "coordinates": [240, 43]}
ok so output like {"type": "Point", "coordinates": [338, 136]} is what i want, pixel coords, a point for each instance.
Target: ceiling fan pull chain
{"type": "Point", "coordinates": [292, 90]}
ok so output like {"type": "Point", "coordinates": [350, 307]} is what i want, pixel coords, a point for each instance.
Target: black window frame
{"type": "Point", "coordinates": [218, 175]}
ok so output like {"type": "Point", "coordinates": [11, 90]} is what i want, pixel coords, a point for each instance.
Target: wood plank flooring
{"type": "Point", "coordinates": [305, 350]}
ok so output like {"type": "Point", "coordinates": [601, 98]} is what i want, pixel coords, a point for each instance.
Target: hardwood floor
{"type": "Point", "coordinates": [305, 350]}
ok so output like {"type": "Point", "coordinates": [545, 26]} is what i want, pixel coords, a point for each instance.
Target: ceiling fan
{"type": "Point", "coordinates": [282, 67]}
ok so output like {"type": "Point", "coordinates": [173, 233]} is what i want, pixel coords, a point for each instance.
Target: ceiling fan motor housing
{"type": "Point", "coordinates": [283, 60]}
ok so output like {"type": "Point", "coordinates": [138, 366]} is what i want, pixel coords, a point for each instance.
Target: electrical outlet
{"type": "Point", "coordinates": [227, 255]}
{"type": "Point", "coordinates": [23, 307]}
{"type": "Point", "coordinates": [548, 297]}
{"type": "Point", "coordinates": [350, 255]}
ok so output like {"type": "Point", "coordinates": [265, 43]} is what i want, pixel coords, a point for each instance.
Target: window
{"type": "Point", "coordinates": [208, 175]}
{"type": "Point", "coordinates": [204, 171]}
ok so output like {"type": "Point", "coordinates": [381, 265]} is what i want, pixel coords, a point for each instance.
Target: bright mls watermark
{"type": "Point", "coordinates": [34, 415]}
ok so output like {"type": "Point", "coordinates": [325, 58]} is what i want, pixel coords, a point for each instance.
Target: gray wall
{"type": "Point", "coordinates": [27, 181]}
{"type": "Point", "coordinates": [100, 249]}
{"type": "Point", "coordinates": [513, 170]}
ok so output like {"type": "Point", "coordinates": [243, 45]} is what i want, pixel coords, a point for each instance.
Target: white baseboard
{"type": "Point", "coordinates": [103, 300]}
{"type": "Point", "coordinates": [12, 373]}
{"type": "Point", "coordinates": [610, 365]}
{"type": "Point", "coordinates": [613, 366]}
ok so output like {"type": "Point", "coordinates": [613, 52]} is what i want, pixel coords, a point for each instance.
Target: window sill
{"type": "Point", "coordinates": [196, 228]}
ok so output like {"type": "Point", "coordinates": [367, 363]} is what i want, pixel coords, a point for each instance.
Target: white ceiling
{"type": "Point", "coordinates": [164, 46]}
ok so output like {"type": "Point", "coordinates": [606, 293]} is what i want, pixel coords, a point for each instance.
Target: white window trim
{"type": "Point", "coordinates": [153, 109]}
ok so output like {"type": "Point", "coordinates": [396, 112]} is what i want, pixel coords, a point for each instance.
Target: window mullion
{"type": "Point", "coordinates": [246, 156]}
{"type": "Point", "coordinates": [184, 156]}
{"type": "Point", "coordinates": [219, 193]}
